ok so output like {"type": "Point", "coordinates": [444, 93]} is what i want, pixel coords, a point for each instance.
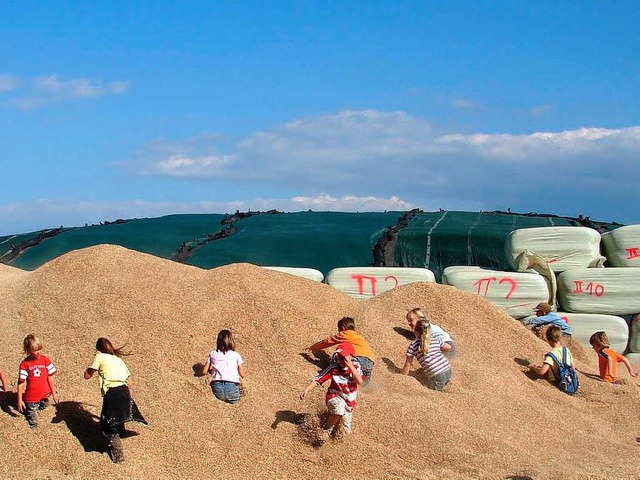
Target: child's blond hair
{"type": "Point", "coordinates": [31, 344]}
{"type": "Point", "coordinates": [423, 334]}
{"type": "Point", "coordinates": [599, 339]}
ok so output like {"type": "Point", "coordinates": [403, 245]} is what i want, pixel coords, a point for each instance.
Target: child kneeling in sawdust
{"type": "Point", "coordinates": [345, 374]}
{"type": "Point", "coordinates": [608, 358]}
{"type": "Point", "coordinates": [347, 334]}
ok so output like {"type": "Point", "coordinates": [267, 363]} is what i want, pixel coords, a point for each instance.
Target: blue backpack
{"type": "Point", "coordinates": [567, 377]}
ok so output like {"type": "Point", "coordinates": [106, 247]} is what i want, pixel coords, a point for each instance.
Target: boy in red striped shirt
{"type": "Point", "coordinates": [345, 375]}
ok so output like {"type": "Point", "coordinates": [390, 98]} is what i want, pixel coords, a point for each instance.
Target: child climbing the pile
{"type": "Point", "coordinates": [347, 333]}
{"type": "Point", "coordinates": [608, 358]}
{"type": "Point", "coordinates": [416, 314]}
{"type": "Point", "coordinates": [428, 349]}
{"type": "Point", "coordinates": [35, 381]}
{"type": "Point", "coordinates": [117, 405]}
{"type": "Point", "coordinates": [225, 367]}
{"type": "Point", "coordinates": [345, 375]}
{"type": "Point", "coordinates": [549, 366]}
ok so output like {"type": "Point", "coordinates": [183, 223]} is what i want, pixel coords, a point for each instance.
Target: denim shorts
{"type": "Point", "coordinates": [367, 368]}
{"type": "Point", "coordinates": [439, 381]}
{"type": "Point", "coordinates": [226, 391]}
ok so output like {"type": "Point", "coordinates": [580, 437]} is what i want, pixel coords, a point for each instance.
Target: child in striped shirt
{"type": "Point", "coordinates": [436, 370]}
{"type": "Point", "coordinates": [345, 375]}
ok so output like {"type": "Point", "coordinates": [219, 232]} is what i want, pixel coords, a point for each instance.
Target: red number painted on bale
{"type": "Point", "coordinates": [513, 285]}
{"type": "Point", "coordinates": [487, 283]}
{"type": "Point", "coordinates": [359, 278]}
{"type": "Point", "coordinates": [566, 319]}
{"type": "Point", "coordinates": [391, 277]}
{"type": "Point", "coordinates": [591, 288]}
{"type": "Point", "coordinates": [633, 252]}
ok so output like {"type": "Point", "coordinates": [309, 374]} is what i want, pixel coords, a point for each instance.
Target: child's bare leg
{"type": "Point", "coordinates": [332, 419]}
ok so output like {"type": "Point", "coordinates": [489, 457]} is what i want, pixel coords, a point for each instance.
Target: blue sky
{"type": "Point", "coordinates": [134, 109]}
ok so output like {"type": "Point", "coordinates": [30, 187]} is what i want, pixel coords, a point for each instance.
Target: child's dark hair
{"type": "Point", "coordinates": [104, 345]}
{"type": "Point", "coordinates": [225, 341]}
{"type": "Point", "coordinates": [346, 323]}
{"type": "Point", "coordinates": [554, 334]}
{"type": "Point", "coordinates": [600, 339]}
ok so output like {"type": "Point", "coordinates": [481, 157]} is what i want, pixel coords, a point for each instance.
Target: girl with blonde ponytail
{"type": "Point", "coordinates": [435, 368]}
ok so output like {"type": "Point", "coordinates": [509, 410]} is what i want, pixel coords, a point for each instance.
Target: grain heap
{"type": "Point", "coordinates": [492, 422]}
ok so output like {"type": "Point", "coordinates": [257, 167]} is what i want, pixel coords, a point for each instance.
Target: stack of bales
{"type": "Point", "coordinates": [561, 265]}
{"type": "Point", "coordinates": [590, 297]}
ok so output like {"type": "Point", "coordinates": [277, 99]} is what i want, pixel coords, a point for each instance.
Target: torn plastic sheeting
{"type": "Point", "coordinates": [528, 261]}
{"type": "Point", "coordinates": [563, 247]}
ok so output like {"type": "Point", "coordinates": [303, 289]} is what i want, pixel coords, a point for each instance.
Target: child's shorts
{"type": "Point", "coordinates": [337, 406]}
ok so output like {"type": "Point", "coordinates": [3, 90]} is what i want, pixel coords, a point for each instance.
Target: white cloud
{"type": "Point", "coordinates": [52, 89]}
{"type": "Point", "coordinates": [8, 83]}
{"type": "Point", "coordinates": [384, 153]}
{"type": "Point", "coordinates": [50, 213]}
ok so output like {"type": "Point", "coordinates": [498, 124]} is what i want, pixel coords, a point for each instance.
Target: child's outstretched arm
{"type": "Point", "coordinates": [540, 369]}
{"type": "Point", "coordinates": [627, 364]}
{"type": "Point", "coordinates": [406, 368]}
{"type": "Point", "coordinates": [322, 344]}
{"type": "Point", "coordinates": [206, 367]}
{"type": "Point", "coordinates": [310, 387]}
{"type": "Point", "coordinates": [3, 379]}
{"type": "Point", "coordinates": [52, 386]}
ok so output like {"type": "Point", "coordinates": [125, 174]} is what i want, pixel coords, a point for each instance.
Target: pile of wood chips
{"type": "Point", "coordinates": [494, 420]}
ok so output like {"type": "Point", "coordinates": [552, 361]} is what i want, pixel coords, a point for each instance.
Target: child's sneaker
{"type": "Point", "coordinates": [116, 450]}
{"type": "Point", "coordinates": [347, 429]}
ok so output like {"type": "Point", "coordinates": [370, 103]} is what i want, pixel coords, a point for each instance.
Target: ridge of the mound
{"type": "Point", "coordinates": [493, 421]}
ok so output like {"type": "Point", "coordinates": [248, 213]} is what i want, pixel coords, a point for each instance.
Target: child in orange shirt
{"type": "Point", "coordinates": [347, 334]}
{"type": "Point", "coordinates": [608, 358]}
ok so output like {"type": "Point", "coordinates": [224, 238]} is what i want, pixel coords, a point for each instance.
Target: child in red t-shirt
{"type": "Point", "coordinates": [35, 381]}
{"type": "Point", "coordinates": [608, 358]}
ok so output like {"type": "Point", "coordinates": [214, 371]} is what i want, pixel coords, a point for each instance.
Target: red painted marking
{"type": "Point", "coordinates": [553, 260]}
{"type": "Point", "coordinates": [487, 281]}
{"type": "Point", "coordinates": [633, 253]}
{"type": "Point", "coordinates": [359, 278]}
{"type": "Point", "coordinates": [391, 277]}
{"type": "Point", "coordinates": [513, 283]}
{"type": "Point", "coordinates": [578, 286]}
{"type": "Point", "coordinates": [566, 319]}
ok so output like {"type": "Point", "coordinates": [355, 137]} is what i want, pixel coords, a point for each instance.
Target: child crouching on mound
{"type": "Point", "coordinates": [436, 370]}
{"type": "Point", "coordinates": [345, 375]}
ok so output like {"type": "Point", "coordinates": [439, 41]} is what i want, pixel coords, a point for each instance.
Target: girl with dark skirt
{"type": "Point", "coordinates": [117, 406]}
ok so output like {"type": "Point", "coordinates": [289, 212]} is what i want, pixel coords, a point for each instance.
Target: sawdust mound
{"type": "Point", "coordinates": [494, 421]}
